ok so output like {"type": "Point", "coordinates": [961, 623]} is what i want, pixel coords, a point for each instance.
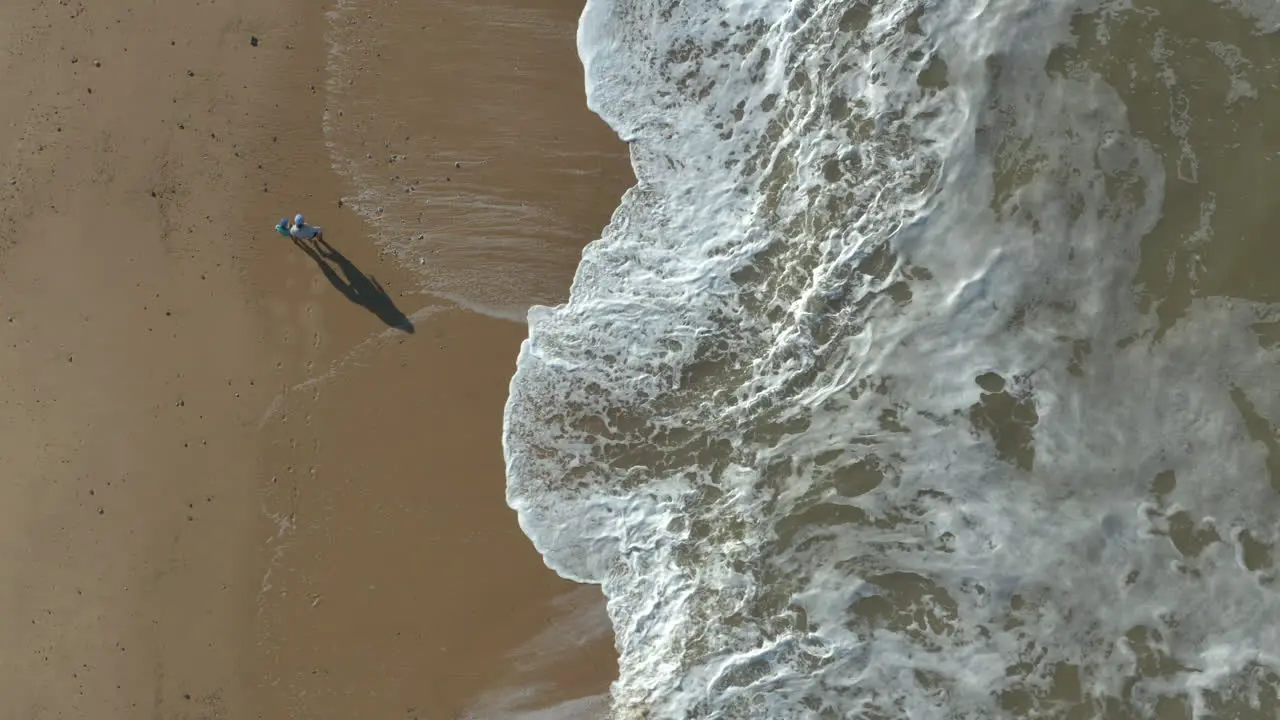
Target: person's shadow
{"type": "Point", "coordinates": [359, 288]}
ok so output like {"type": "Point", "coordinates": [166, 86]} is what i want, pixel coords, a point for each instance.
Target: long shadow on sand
{"type": "Point", "coordinates": [363, 290]}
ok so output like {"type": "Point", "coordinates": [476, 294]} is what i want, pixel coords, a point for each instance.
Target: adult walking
{"type": "Point", "coordinates": [300, 230]}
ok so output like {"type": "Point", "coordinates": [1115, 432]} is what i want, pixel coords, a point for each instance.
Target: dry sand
{"type": "Point", "coordinates": [230, 491]}
{"type": "Point", "coordinates": [134, 369]}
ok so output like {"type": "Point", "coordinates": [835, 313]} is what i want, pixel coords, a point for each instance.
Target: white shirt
{"type": "Point", "coordinates": [304, 231]}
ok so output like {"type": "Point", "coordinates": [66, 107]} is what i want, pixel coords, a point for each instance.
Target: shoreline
{"type": "Point", "coordinates": [421, 505]}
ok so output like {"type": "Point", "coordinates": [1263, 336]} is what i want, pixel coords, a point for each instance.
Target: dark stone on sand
{"type": "Point", "coordinates": [457, 164]}
{"type": "Point", "coordinates": [74, 60]}
{"type": "Point", "coordinates": [253, 40]}
{"type": "Point", "coordinates": [190, 73]}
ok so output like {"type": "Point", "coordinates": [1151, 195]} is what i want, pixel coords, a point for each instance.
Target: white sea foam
{"type": "Point", "coordinates": [863, 406]}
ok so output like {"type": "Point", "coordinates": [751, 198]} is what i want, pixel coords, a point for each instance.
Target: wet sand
{"type": "Point", "coordinates": [238, 485]}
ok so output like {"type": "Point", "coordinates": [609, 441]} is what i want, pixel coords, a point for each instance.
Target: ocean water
{"type": "Point", "coordinates": [477, 176]}
{"type": "Point", "coordinates": [929, 369]}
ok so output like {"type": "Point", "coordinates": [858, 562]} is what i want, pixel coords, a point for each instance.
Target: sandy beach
{"type": "Point", "coordinates": [238, 485]}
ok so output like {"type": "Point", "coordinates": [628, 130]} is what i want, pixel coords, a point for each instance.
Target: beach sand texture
{"type": "Point", "coordinates": [235, 484]}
